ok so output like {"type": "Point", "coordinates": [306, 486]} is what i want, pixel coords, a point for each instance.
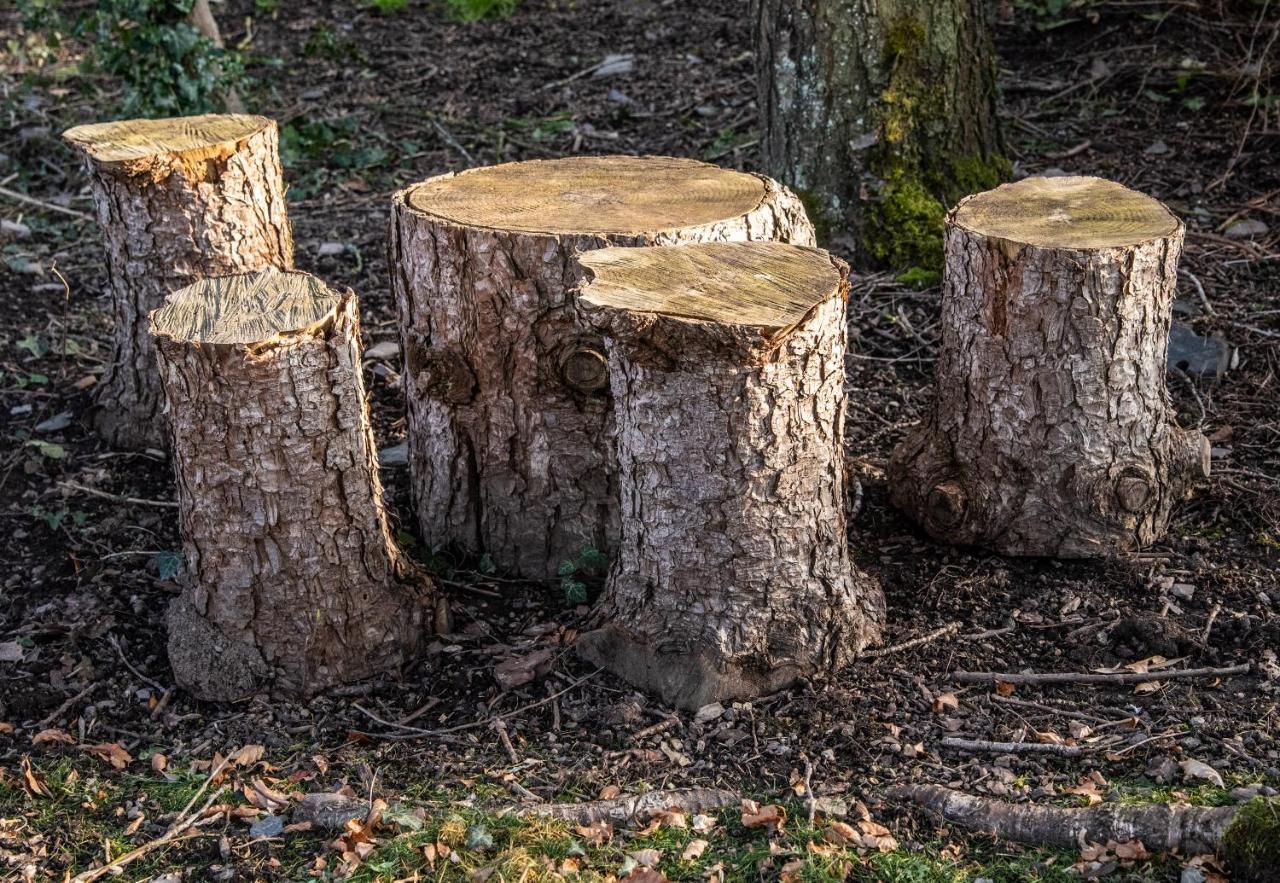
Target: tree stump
{"type": "Point", "coordinates": [177, 200]}
{"type": "Point", "coordinates": [1052, 433]}
{"type": "Point", "coordinates": [294, 583]}
{"type": "Point", "coordinates": [733, 576]}
{"type": "Point", "coordinates": [508, 406]}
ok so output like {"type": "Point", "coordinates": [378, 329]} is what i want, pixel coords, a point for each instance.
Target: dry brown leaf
{"type": "Point", "coordinates": [694, 849]}
{"type": "Point", "coordinates": [1133, 851]}
{"type": "Point", "coordinates": [703, 823]}
{"type": "Point", "coordinates": [247, 756]}
{"type": "Point", "coordinates": [5, 728]}
{"type": "Point", "coordinates": [647, 875]}
{"type": "Point", "coordinates": [111, 752]}
{"type": "Point", "coordinates": [1050, 738]}
{"type": "Point", "coordinates": [1148, 687]}
{"type": "Point", "coordinates": [647, 857]}
{"type": "Point", "coordinates": [771, 816]}
{"type": "Point", "coordinates": [944, 702]}
{"type": "Point", "coordinates": [159, 762]}
{"type": "Point", "coordinates": [597, 833]}
{"type": "Point", "coordinates": [1197, 769]}
{"type": "Point", "coordinates": [608, 792]}
{"type": "Point", "coordinates": [791, 871]}
{"type": "Point", "coordinates": [1004, 688]}
{"type": "Point", "coordinates": [823, 849]}
{"type": "Point", "coordinates": [877, 836]}
{"type": "Point", "coordinates": [1088, 790]}
{"type": "Point", "coordinates": [132, 827]}
{"type": "Point", "coordinates": [841, 834]}
{"type": "Point", "coordinates": [33, 781]}
{"type": "Point", "coordinates": [52, 736]}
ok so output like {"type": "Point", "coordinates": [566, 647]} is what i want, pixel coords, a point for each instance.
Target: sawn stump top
{"type": "Point", "coordinates": [586, 195]}
{"type": "Point", "coordinates": [1066, 212]}
{"type": "Point", "coordinates": [248, 308]}
{"type": "Point", "coordinates": [126, 140]}
{"type": "Point", "coordinates": [767, 285]}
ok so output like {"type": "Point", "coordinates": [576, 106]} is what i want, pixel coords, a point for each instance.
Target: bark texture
{"type": "Point", "coordinates": [733, 576]}
{"type": "Point", "coordinates": [879, 113]}
{"type": "Point", "coordinates": [294, 584]}
{"type": "Point", "coordinates": [508, 404]}
{"type": "Point", "coordinates": [1052, 432]}
{"type": "Point", "coordinates": [177, 200]}
{"type": "Point", "coordinates": [1190, 830]}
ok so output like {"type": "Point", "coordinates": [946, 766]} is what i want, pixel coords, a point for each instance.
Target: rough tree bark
{"type": "Point", "coordinates": [1248, 836]}
{"type": "Point", "coordinates": [294, 583]}
{"type": "Point", "coordinates": [177, 200]}
{"type": "Point", "coordinates": [1052, 433]}
{"type": "Point", "coordinates": [879, 113]}
{"type": "Point", "coordinates": [733, 576]}
{"type": "Point", "coordinates": [507, 395]}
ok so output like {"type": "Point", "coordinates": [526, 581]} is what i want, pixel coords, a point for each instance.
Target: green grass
{"type": "Point", "coordinates": [475, 10]}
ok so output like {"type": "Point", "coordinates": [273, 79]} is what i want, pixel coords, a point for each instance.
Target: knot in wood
{"type": "Point", "coordinates": [1133, 491]}
{"type": "Point", "coordinates": [585, 369]}
{"type": "Point", "coordinates": [441, 374]}
{"type": "Point", "coordinates": [947, 504]}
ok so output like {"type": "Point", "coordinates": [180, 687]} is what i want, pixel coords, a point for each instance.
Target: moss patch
{"type": "Point", "coordinates": [1252, 843]}
{"type": "Point", "coordinates": [906, 227]}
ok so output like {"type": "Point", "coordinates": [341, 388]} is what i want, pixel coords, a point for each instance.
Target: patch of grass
{"type": "Point", "coordinates": [476, 10]}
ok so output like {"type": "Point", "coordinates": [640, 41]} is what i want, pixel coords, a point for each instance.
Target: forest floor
{"type": "Point", "coordinates": [98, 753]}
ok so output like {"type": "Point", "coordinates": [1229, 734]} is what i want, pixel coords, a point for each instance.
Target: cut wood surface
{"type": "Point", "coordinates": [177, 200]}
{"type": "Point", "coordinates": [733, 576]}
{"type": "Point", "coordinates": [294, 584]}
{"type": "Point", "coordinates": [1052, 431]}
{"type": "Point", "coordinates": [509, 414]}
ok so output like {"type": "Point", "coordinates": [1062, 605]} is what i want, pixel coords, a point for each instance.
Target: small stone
{"type": "Point", "coordinates": [614, 65]}
{"type": "Point", "coordinates": [329, 249]}
{"type": "Point", "coordinates": [55, 423]}
{"type": "Point", "coordinates": [707, 713]}
{"type": "Point", "coordinates": [1248, 228]}
{"type": "Point", "coordinates": [1162, 770]}
{"type": "Point", "coordinates": [1245, 793]}
{"type": "Point", "coordinates": [267, 826]}
{"type": "Point", "coordinates": [1156, 148]}
{"type": "Point", "coordinates": [1183, 591]}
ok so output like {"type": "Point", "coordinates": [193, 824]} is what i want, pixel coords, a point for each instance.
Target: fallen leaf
{"type": "Point", "coordinates": [944, 702]}
{"type": "Point", "coordinates": [771, 816]}
{"type": "Point", "coordinates": [1133, 851]}
{"type": "Point", "coordinates": [1195, 769]}
{"type": "Point", "coordinates": [597, 833]}
{"type": "Point", "coordinates": [790, 872]}
{"type": "Point", "coordinates": [608, 792]}
{"type": "Point", "coordinates": [841, 834]}
{"type": "Point", "coordinates": [703, 823]}
{"type": "Point", "coordinates": [247, 756]}
{"type": "Point", "coordinates": [523, 669]}
{"type": "Point", "coordinates": [1004, 688]}
{"type": "Point", "coordinates": [33, 781]}
{"type": "Point", "coordinates": [694, 849]}
{"type": "Point", "coordinates": [1050, 738]}
{"type": "Point", "coordinates": [159, 762]}
{"type": "Point", "coordinates": [111, 752]}
{"type": "Point", "coordinates": [1148, 687]}
{"type": "Point", "coordinates": [132, 827]}
{"type": "Point", "coordinates": [877, 836]}
{"type": "Point", "coordinates": [52, 736]}
{"type": "Point", "coordinates": [647, 857]}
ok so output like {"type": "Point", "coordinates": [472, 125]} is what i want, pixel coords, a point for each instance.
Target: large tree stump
{"type": "Point", "coordinates": [1052, 433]}
{"type": "Point", "coordinates": [177, 200]}
{"type": "Point", "coordinates": [294, 583]}
{"type": "Point", "coordinates": [507, 395]}
{"type": "Point", "coordinates": [733, 576]}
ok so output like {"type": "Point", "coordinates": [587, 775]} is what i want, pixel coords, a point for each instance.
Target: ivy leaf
{"type": "Point", "coordinates": [167, 564]}
{"type": "Point", "coordinates": [48, 449]}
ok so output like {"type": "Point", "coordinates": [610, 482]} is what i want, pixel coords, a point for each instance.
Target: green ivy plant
{"type": "Point", "coordinates": [165, 65]}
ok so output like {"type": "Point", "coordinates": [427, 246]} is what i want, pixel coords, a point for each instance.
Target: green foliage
{"type": "Point", "coordinates": [165, 65]}
{"type": "Point", "coordinates": [386, 7]}
{"type": "Point", "coordinates": [919, 278]}
{"type": "Point", "coordinates": [1252, 843]}
{"type": "Point", "coordinates": [475, 10]}
{"type": "Point", "coordinates": [1050, 14]}
{"type": "Point", "coordinates": [906, 227]}
{"type": "Point", "coordinates": [575, 573]}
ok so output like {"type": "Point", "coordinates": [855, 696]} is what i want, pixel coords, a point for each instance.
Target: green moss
{"type": "Point", "coordinates": [1252, 843]}
{"type": "Point", "coordinates": [905, 227]}
{"type": "Point", "coordinates": [975, 173]}
{"type": "Point", "coordinates": [918, 278]}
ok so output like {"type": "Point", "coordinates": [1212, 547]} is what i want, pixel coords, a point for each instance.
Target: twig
{"type": "Point", "coordinates": [64, 707]}
{"type": "Point", "coordinates": [660, 727]}
{"type": "Point", "coordinates": [934, 635]}
{"type": "Point", "coordinates": [117, 498]}
{"type": "Point", "coordinates": [1023, 703]}
{"type": "Point", "coordinates": [810, 802]}
{"type": "Point", "coordinates": [66, 308]}
{"type": "Point", "coordinates": [634, 806]}
{"type": "Point", "coordinates": [51, 206]}
{"type": "Point", "coordinates": [1118, 677]}
{"type": "Point", "coordinates": [982, 745]}
{"type": "Point", "coordinates": [115, 642]}
{"type": "Point", "coordinates": [501, 726]}
{"type": "Point", "coordinates": [1208, 626]}
{"type": "Point", "coordinates": [453, 142]}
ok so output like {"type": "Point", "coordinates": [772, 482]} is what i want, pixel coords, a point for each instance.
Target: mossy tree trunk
{"type": "Point", "coordinates": [881, 114]}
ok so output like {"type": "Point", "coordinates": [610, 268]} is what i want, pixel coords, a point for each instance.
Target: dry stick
{"type": "Point", "coordinates": [115, 642]}
{"type": "Point", "coordinates": [136, 501]}
{"type": "Point", "coordinates": [1119, 677]}
{"type": "Point", "coordinates": [64, 707]}
{"type": "Point", "coordinates": [1208, 626]}
{"type": "Point", "coordinates": [982, 745]}
{"type": "Point", "coordinates": [623, 809]}
{"type": "Point", "coordinates": [660, 727]}
{"type": "Point", "coordinates": [51, 206]}
{"type": "Point", "coordinates": [501, 726]}
{"type": "Point", "coordinates": [810, 802]}
{"type": "Point", "coordinates": [934, 635]}
{"type": "Point", "coordinates": [1023, 703]}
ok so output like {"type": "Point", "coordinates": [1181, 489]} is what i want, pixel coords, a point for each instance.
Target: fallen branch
{"type": "Point", "coordinates": [116, 498]}
{"type": "Point", "coordinates": [1119, 677]}
{"type": "Point", "coordinates": [631, 807]}
{"type": "Point", "coordinates": [51, 206]}
{"type": "Point", "coordinates": [949, 629]}
{"type": "Point", "coordinates": [982, 745]}
{"type": "Point", "coordinates": [1248, 836]}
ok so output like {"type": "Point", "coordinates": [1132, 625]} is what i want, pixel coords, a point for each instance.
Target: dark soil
{"type": "Point", "coordinates": [1177, 100]}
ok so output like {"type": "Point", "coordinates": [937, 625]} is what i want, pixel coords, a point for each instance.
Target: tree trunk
{"type": "Point", "coordinates": [879, 113]}
{"type": "Point", "coordinates": [733, 576]}
{"type": "Point", "coordinates": [508, 406]}
{"type": "Point", "coordinates": [178, 200]}
{"type": "Point", "coordinates": [1052, 433]}
{"type": "Point", "coordinates": [294, 583]}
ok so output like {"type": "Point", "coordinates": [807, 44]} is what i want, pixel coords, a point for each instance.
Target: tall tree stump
{"type": "Point", "coordinates": [177, 200]}
{"type": "Point", "coordinates": [733, 576]}
{"type": "Point", "coordinates": [508, 405]}
{"type": "Point", "coordinates": [294, 583]}
{"type": "Point", "coordinates": [1052, 433]}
